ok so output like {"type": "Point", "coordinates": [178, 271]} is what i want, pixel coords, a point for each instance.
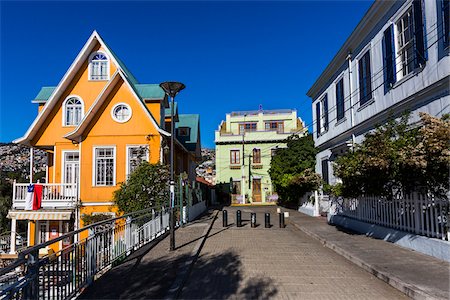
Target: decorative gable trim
{"type": "Point", "coordinates": [76, 135]}
{"type": "Point", "coordinates": [64, 83]}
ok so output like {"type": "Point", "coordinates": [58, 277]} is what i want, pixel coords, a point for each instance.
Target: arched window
{"type": "Point", "coordinates": [98, 66]}
{"type": "Point", "coordinates": [73, 111]}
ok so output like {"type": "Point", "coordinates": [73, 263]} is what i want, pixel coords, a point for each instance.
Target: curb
{"type": "Point", "coordinates": [177, 286]}
{"type": "Point", "coordinates": [407, 289]}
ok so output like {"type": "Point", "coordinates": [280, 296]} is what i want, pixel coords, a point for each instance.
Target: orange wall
{"type": "Point", "coordinates": [104, 131]}
{"type": "Point", "coordinates": [53, 130]}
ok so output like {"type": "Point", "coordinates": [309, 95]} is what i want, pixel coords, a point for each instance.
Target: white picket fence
{"type": "Point", "coordinates": [414, 213]}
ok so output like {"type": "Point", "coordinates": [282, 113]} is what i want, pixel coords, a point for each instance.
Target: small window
{"type": "Point", "coordinates": [99, 66]}
{"type": "Point", "coordinates": [324, 117]}
{"type": "Point", "coordinates": [183, 131]}
{"type": "Point", "coordinates": [445, 4]}
{"type": "Point", "coordinates": [104, 164]}
{"type": "Point", "coordinates": [73, 111]}
{"type": "Point", "coordinates": [340, 100]}
{"type": "Point", "coordinates": [256, 156]}
{"type": "Point", "coordinates": [121, 112]}
{"type": "Point", "coordinates": [405, 44]}
{"type": "Point", "coordinates": [273, 152]}
{"type": "Point", "coordinates": [247, 127]}
{"type": "Point", "coordinates": [234, 157]}
{"type": "Point", "coordinates": [275, 125]}
{"type": "Point", "coordinates": [365, 79]}
{"type": "Point", "coordinates": [236, 188]}
{"type": "Point", "coordinates": [325, 171]}
{"type": "Point", "coordinates": [135, 156]}
{"type": "Point", "coordinates": [318, 125]}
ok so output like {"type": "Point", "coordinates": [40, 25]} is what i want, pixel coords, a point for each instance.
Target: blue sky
{"type": "Point", "coordinates": [231, 55]}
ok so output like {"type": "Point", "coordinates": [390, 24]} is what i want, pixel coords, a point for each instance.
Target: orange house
{"type": "Point", "coordinates": [95, 125]}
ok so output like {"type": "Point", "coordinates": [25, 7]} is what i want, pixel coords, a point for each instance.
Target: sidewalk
{"type": "Point", "coordinates": [153, 272]}
{"type": "Point", "coordinates": [275, 263]}
{"type": "Point", "coordinates": [417, 275]}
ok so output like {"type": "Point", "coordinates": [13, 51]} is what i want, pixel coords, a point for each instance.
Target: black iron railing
{"type": "Point", "coordinates": [94, 248]}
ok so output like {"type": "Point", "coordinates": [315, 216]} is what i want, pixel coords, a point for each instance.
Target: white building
{"type": "Point", "coordinates": [396, 60]}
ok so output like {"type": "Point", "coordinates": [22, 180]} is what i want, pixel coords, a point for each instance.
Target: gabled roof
{"type": "Point", "coordinates": [150, 91]}
{"type": "Point", "coordinates": [44, 94]}
{"type": "Point", "coordinates": [56, 93]}
{"type": "Point", "coordinates": [79, 130]}
{"type": "Point", "coordinates": [145, 91]}
{"type": "Point", "coordinates": [191, 121]}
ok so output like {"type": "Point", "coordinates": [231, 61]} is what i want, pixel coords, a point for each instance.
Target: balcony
{"type": "Point", "coordinates": [54, 195]}
{"type": "Point", "coordinates": [266, 135]}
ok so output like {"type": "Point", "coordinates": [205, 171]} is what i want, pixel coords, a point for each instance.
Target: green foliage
{"type": "Point", "coordinates": [89, 219]}
{"type": "Point", "coordinates": [147, 186]}
{"type": "Point", "coordinates": [291, 169]}
{"type": "Point", "coordinates": [397, 158]}
{"type": "Point", "coordinates": [5, 204]}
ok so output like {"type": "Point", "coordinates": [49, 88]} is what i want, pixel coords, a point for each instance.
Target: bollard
{"type": "Point", "coordinates": [238, 218]}
{"type": "Point", "coordinates": [224, 218]}
{"type": "Point", "coordinates": [253, 220]}
{"type": "Point", "coordinates": [281, 215]}
{"type": "Point", "coordinates": [267, 220]}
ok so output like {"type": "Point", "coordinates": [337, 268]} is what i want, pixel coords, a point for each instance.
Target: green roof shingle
{"type": "Point", "coordinates": [44, 93]}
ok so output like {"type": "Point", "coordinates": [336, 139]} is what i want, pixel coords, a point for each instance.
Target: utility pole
{"type": "Point", "coordinates": [243, 163]}
{"type": "Point", "coordinates": [249, 171]}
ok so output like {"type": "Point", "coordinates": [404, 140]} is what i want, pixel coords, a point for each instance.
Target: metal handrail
{"type": "Point", "coordinates": [72, 233]}
{"type": "Point", "coordinates": [63, 275]}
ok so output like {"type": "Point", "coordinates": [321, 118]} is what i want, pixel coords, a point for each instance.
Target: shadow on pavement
{"type": "Point", "coordinates": [220, 277]}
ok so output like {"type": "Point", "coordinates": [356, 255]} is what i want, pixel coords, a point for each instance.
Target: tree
{"type": "Point", "coordinates": [5, 204]}
{"type": "Point", "coordinates": [291, 169]}
{"type": "Point", "coordinates": [398, 158]}
{"type": "Point", "coordinates": [147, 186]}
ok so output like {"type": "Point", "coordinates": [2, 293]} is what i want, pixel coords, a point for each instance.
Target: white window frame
{"type": "Point", "coordinates": [94, 165]}
{"type": "Point", "coordinates": [64, 108]}
{"type": "Point", "coordinates": [114, 116]}
{"type": "Point", "coordinates": [398, 58]}
{"type": "Point", "coordinates": [108, 63]}
{"type": "Point", "coordinates": [63, 165]}
{"type": "Point", "coordinates": [127, 148]}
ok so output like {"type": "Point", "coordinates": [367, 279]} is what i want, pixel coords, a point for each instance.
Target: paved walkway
{"type": "Point", "coordinates": [416, 274]}
{"type": "Point", "coordinates": [152, 272]}
{"type": "Point", "coordinates": [274, 263]}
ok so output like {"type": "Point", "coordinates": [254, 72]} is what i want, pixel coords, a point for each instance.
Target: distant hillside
{"type": "Point", "coordinates": [207, 168]}
{"type": "Point", "coordinates": [15, 161]}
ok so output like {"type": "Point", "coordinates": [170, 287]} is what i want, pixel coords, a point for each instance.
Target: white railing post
{"type": "Point", "coordinates": [12, 246]}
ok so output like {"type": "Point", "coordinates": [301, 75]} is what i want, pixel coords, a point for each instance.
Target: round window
{"type": "Point", "coordinates": [121, 112]}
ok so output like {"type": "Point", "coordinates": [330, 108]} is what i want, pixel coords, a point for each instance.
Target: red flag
{"type": "Point", "coordinates": [37, 199]}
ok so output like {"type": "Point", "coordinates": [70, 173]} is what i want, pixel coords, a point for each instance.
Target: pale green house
{"type": "Point", "coordinates": [245, 144]}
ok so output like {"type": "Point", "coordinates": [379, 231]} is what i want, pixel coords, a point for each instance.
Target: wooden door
{"type": "Point", "coordinates": [256, 190]}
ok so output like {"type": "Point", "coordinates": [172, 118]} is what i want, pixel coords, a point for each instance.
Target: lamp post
{"type": "Point", "coordinates": [171, 89]}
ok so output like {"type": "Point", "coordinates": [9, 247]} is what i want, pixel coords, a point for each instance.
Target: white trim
{"type": "Point", "coordinates": [54, 163]}
{"type": "Point", "coordinates": [98, 203]}
{"type": "Point", "coordinates": [127, 157]}
{"type": "Point", "coordinates": [108, 213]}
{"type": "Point", "coordinates": [63, 164]}
{"type": "Point", "coordinates": [65, 81]}
{"type": "Point", "coordinates": [64, 110]}
{"type": "Point", "coordinates": [60, 233]}
{"type": "Point", "coordinates": [114, 117]}
{"type": "Point", "coordinates": [29, 232]}
{"type": "Point", "coordinates": [108, 65]}
{"type": "Point", "coordinates": [94, 165]}
{"type": "Point", "coordinates": [74, 134]}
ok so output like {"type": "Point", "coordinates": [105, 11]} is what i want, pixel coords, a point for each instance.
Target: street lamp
{"type": "Point", "coordinates": [171, 89]}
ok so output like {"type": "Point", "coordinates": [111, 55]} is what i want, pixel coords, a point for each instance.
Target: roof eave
{"type": "Point", "coordinates": [370, 18]}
